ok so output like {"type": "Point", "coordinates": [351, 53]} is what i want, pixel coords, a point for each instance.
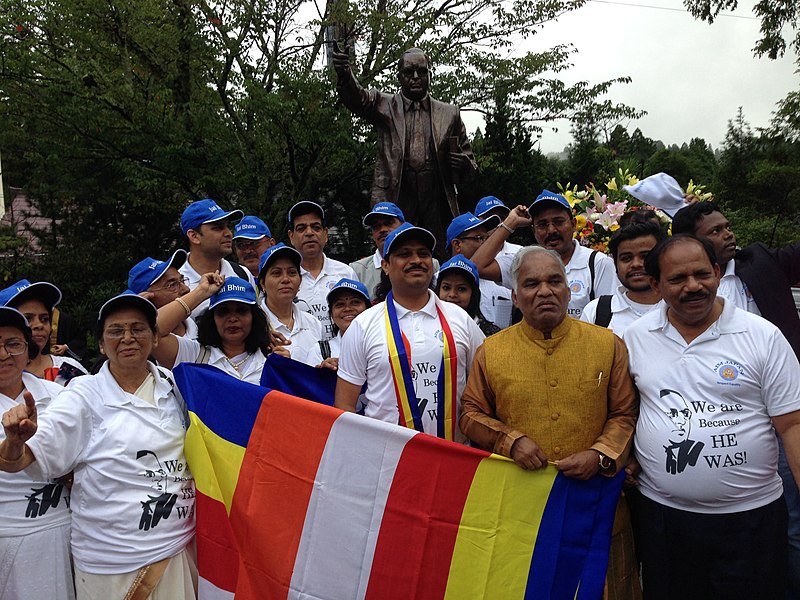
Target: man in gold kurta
{"type": "Point", "coordinates": [554, 389]}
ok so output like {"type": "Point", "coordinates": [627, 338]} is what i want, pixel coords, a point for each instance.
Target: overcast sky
{"type": "Point", "coordinates": [689, 76]}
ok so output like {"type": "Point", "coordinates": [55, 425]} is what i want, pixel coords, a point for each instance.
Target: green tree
{"type": "Point", "coordinates": [116, 113]}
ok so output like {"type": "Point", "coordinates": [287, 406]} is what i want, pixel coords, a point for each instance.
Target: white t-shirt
{"type": "Point", "coordinates": [734, 289]}
{"type": "Point", "coordinates": [193, 280]}
{"type": "Point", "coordinates": [704, 436]}
{"type": "Point", "coordinates": [624, 311]}
{"type": "Point", "coordinates": [305, 335]}
{"type": "Point", "coordinates": [27, 504]}
{"type": "Point", "coordinates": [496, 303]}
{"type": "Point", "coordinates": [250, 370]}
{"type": "Point", "coordinates": [315, 291]}
{"type": "Point", "coordinates": [133, 495]}
{"type": "Point", "coordinates": [579, 277]}
{"type": "Point", "coordinates": [365, 357]}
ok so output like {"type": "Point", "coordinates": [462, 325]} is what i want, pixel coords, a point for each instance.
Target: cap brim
{"type": "Point", "coordinates": [412, 232]}
{"type": "Point", "coordinates": [245, 236]}
{"type": "Point", "coordinates": [343, 289]}
{"type": "Point", "coordinates": [306, 204]}
{"type": "Point", "coordinates": [49, 294]}
{"type": "Point", "coordinates": [11, 317]}
{"type": "Point", "coordinates": [224, 300]}
{"type": "Point", "coordinates": [285, 252]}
{"type": "Point", "coordinates": [545, 203]}
{"type": "Point", "coordinates": [128, 299]}
{"type": "Point", "coordinates": [176, 261]}
{"type": "Point", "coordinates": [233, 215]}
{"type": "Point", "coordinates": [470, 275]}
{"type": "Point", "coordinates": [491, 208]}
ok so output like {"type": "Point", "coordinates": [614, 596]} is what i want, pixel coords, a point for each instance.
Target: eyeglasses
{"type": "Point", "coordinates": [137, 332]}
{"type": "Point", "coordinates": [557, 223]}
{"type": "Point", "coordinates": [173, 285]}
{"type": "Point", "coordinates": [477, 238]}
{"type": "Point", "coordinates": [410, 71]}
{"type": "Point", "coordinates": [14, 347]}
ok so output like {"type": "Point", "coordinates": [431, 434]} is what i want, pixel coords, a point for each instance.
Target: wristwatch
{"type": "Point", "coordinates": [605, 462]}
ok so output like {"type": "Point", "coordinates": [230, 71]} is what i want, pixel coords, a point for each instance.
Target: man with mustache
{"type": "Point", "coordinates": [757, 279]}
{"type": "Point", "coordinates": [404, 349]}
{"type": "Point", "coordinates": [552, 389]}
{"type": "Point", "coordinates": [719, 528]}
{"type": "Point", "coordinates": [309, 235]}
{"type": "Point", "coordinates": [635, 297]}
{"type": "Point", "coordinates": [590, 273]}
{"type": "Point", "coordinates": [251, 237]}
{"type": "Point", "coordinates": [384, 218]}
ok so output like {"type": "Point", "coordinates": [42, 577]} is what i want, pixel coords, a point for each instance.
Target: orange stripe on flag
{"type": "Point", "coordinates": [277, 472]}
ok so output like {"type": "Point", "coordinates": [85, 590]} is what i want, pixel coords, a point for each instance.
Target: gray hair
{"type": "Point", "coordinates": [523, 252]}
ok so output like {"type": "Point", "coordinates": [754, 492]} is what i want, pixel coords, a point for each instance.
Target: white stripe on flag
{"type": "Point", "coordinates": [346, 508]}
{"type": "Point", "coordinates": [208, 591]}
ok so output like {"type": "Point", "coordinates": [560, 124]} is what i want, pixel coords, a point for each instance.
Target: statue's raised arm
{"type": "Point", "coordinates": [423, 152]}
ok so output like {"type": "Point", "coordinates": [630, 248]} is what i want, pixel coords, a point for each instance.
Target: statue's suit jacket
{"type": "Point", "coordinates": [386, 112]}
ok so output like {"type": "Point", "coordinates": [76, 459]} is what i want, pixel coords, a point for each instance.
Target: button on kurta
{"type": "Point", "coordinates": [555, 416]}
{"type": "Point", "coordinates": [553, 382]}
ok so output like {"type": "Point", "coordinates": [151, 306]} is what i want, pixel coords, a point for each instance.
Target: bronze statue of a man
{"type": "Point", "coordinates": [423, 150]}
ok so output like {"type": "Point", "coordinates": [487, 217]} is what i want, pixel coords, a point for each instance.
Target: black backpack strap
{"type": "Point", "coordinates": [325, 349]}
{"type": "Point", "coordinates": [603, 315]}
{"type": "Point", "coordinates": [239, 270]}
{"type": "Point", "coordinates": [592, 260]}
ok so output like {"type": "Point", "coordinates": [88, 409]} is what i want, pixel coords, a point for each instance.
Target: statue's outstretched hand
{"type": "Point", "coordinates": [341, 59]}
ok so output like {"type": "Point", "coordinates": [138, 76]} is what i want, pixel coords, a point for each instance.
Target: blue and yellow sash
{"type": "Point", "coordinates": [400, 361]}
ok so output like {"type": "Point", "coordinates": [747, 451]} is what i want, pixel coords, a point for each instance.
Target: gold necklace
{"type": "Point", "coordinates": [239, 364]}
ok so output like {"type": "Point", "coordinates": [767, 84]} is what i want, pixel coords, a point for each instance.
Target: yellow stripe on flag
{"type": "Point", "coordinates": [498, 529]}
{"type": "Point", "coordinates": [215, 461]}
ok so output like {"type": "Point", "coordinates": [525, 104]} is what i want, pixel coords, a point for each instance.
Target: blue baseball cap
{"type": "Point", "coordinates": [24, 290]}
{"type": "Point", "coordinates": [233, 290]}
{"type": "Point", "coordinates": [548, 199]}
{"type": "Point", "coordinates": [463, 264]}
{"type": "Point", "coordinates": [488, 203]}
{"type": "Point", "coordinates": [131, 299]}
{"type": "Point", "coordinates": [275, 252]}
{"type": "Point", "coordinates": [384, 209]}
{"type": "Point", "coordinates": [351, 285]}
{"type": "Point", "coordinates": [251, 228]}
{"type": "Point", "coordinates": [303, 208]}
{"type": "Point", "coordinates": [467, 221]}
{"type": "Point", "coordinates": [11, 317]}
{"type": "Point", "coordinates": [407, 230]}
{"type": "Point", "coordinates": [205, 211]}
{"type": "Point", "coordinates": [146, 272]}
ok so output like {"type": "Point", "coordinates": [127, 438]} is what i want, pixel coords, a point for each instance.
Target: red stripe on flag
{"type": "Point", "coordinates": [217, 554]}
{"type": "Point", "coordinates": [283, 461]}
{"type": "Point", "coordinates": [420, 522]}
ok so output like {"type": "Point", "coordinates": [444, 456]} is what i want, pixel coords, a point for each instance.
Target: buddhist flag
{"type": "Point", "coordinates": [298, 500]}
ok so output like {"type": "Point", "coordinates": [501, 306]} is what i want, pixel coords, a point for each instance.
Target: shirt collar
{"type": "Point", "coordinates": [376, 259]}
{"type": "Point", "coordinates": [323, 271]}
{"type": "Point", "coordinates": [429, 308]}
{"type": "Point", "coordinates": [558, 332]}
{"type": "Point", "coordinates": [114, 395]}
{"type": "Point", "coordinates": [730, 269]}
{"type": "Point", "coordinates": [725, 323]}
{"type": "Point", "coordinates": [425, 102]}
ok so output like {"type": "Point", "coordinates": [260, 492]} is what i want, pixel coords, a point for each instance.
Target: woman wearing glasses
{"type": "Point", "coordinates": [36, 302]}
{"type": "Point", "coordinates": [122, 433]}
{"type": "Point", "coordinates": [233, 334]}
{"type": "Point", "coordinates": [160, 282]}
{"type": "Point", "coordinates": [34, 512]}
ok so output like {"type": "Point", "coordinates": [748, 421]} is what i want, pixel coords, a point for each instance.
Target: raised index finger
{"type": "Point", "coordinates": [30, 405]}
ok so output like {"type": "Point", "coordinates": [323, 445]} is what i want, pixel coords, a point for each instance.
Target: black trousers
{"type": "Point", "coordinates": [699, 556]}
